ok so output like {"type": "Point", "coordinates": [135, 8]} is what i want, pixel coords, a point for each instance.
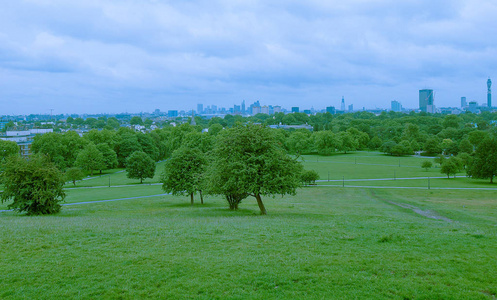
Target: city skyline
{"type": "Point", "coordinates": [111, 57]}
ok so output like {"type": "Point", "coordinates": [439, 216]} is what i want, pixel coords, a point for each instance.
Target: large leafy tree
{"type": "Point", "coordinates": [8, 148]}
{"type": "Point", "coordinates": [90, 158]}
{"type": "Point", "coordinates": [183, 172]}
{"type": "Point", "coordinates": [484, 162]}
{"type": "Point", "coordinates": [248, 161]}
{"type": "Point", "coordinates": [34, 185]}
{"type": "Point", "coordinates": [109, 156]}
{"type": "Point", "coordinates": [327, 142]}
{"type": "Point", "coordinates": [140, 166]}
{"type": "Point", "coordinates": [74, 174]}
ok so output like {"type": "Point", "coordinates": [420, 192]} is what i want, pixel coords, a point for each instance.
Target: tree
{"type": "Point", "coordinates": [139, 166]}
{"type": "Point", "coordinates": [136, 121]}
{"type": "Point", "coordinates": [326, 142]}
{"type": "Point", "coordinates": [127, 145]}
{"type": "Point", "coordinates": [388, 147]}
{"type": "Point", "coordinates": [34, 185]}
{"type": "Point", "coordinates": [348, 142]}
{"type": "Point", "coordinates": [109, 156]}
{"type": "Point", "coordinates": [451, 166]}
{"type": "Point", "coordinates": [426, 165]}
{"type": "Point", "coordinates": [309, 177]}
{"type": "Point", "coordinates": [248, 161]}
{"type": "Point", "coordinates": [484, 162]}
{"type": "Point", "coordinates": [90, 158]}
{"type": "Point", "coordinates": [8, 148]}
{"type": "Point", "coordinates": [73, 174]}
{"type": "Point", "coordinates": [183, 172]}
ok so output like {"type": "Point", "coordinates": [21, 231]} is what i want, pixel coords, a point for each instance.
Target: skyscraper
{"type": "Point", "coordinates": [463, 102]}
{"type": "Point", "coordinates": [426, 101]}
{"type": "Point", "coordinates": [489, 93]}
{"type": "Point", "coordinates": [243, 107]}
{"type": "Point", "coordinates": [342, 106]}
{"type": "Point", "coordinates": [396, 106]}
{"type": "Point", "coordinates": [200, 108]}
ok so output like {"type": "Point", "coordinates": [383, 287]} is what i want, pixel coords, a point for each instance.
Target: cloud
{"type": "Point", "coordinates": [290, 52]}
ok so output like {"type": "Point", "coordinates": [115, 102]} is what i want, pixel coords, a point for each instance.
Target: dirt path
{"type": "Point", "coordinates": [425, 213]}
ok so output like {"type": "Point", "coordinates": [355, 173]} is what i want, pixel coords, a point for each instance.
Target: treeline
{"type": "Point", "coordinates": [242, 161]}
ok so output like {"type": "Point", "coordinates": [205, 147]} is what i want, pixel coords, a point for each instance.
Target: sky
{"type": "Point", "coordinates": [107, 56]}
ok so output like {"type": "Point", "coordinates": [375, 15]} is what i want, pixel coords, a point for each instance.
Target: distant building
{"type": "Point", "coordinates": [331, 110]}
{"type": "Point", "coordinates": [243, 107]}
{"type": "Point", "coordinates": [24, 139]}
{"type": "Point", "coordinates": [237, 109]}
{"type": "Point", "coordinates": [463, 102]}
{"type": "Point", "coordinates": [172, 113]}
{"type": "Point", "coordinates": [295, 109]}
{"type": "Point", "coordinates": [426, 102]}
{"type": "Point", "coordinates": [351, 107]}
{"type": "Point", "coordinates": [256, 110]}
{"type": "Point", "coordinates": [200, 108]}
{"type": "Point", "coordinates": [489, 93]}
{"type": "Point", "coordinates": [473, 107]}
{"type": "Point", "coordinates": [265, 110]}
{"type": "Point", "coordinates": [396, 106]}
{"type": "Point", "coordinates": [342, 105]}
{"type": "Point", "coordinates": [307, 111]}
{"type": "Point", "coordinates": [276, 109]}
{"type": "Point", "coordinates": [192, 122]}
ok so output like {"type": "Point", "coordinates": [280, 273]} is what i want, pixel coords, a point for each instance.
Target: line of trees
{"type": "Point", "coordinates": [254, 151]}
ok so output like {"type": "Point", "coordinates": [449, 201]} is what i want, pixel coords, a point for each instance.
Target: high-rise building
{"type": "Point", "coordinates": [277, 109]}
{"type": "Point", "coordinates": [265, 110]}
{"type": "Point", "coordinates": [295, 109]}
{"type": "Point", "coordinates": [200, 108]}
{"type": "Point", "coordinates": [243, 107]}
{"type": "Point", "coordinates": [342, 106]}
{"type": "Point", "coordinates": [396, 106]}
{"type": "Point", "coordinates": [172, 113]}
{"type": "Point", "coordinates": [331, 110]}
{"type": "Point", "coordinates": [463, 102]}
{"type": "Point", "coordinates": [489, 93]}
{"type": "Point", "coordinates": [351, 107]}
{"type": "Point", "coordinates": [426, 102]}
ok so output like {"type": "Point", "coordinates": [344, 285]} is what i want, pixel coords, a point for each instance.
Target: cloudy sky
{"type": "Point", "coordinates": [108, 56]}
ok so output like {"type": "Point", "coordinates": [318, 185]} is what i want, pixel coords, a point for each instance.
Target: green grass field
{"type": "Point", "coordinates": [325, 242]}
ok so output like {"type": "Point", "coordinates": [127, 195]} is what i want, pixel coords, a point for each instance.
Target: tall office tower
{"type": "Point", "coordinates": [342, 106]}
{"type": "Point", "coordinates": [489, 93]}
{"type": "Point", "coordinates": [243, 107]}
{"type": "Point", "coordinates": [214, 109]}
{"type": "Point", "coordinates": [351, 107]}
{"type": "Point", "coordinates": [463, 102]}
{"type": "Point", "coordinates": [396, 106]}
{"type": "Point", "coordinates": [200, 108]}
{"type": "Point", "coordinates": [426, 101]}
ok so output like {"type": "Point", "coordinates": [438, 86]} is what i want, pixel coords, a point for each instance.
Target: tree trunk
{"type": "Point", "coordinates": [201, 198]}
{"type": "Point", "coordinates": [191, 198]}
{"type": "Point", "coordinates": [261, 205]}
{"type": "Point", "coordinates": [141, 180]}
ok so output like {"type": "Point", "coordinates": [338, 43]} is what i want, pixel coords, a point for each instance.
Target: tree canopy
{"type": "Point", "coordinates": [140, 166]}
{"type": "Point", "coordinates": [247, 161]}
{"type": "Point", "coordinates": [484, 162]}
{"type": "Point", "coordinates": [34, 185]}
{"type": "Point", "coordinates": [183, 172]}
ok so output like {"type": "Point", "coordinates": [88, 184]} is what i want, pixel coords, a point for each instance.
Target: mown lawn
{"type": "Point", "coordinates": [322, 243]}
